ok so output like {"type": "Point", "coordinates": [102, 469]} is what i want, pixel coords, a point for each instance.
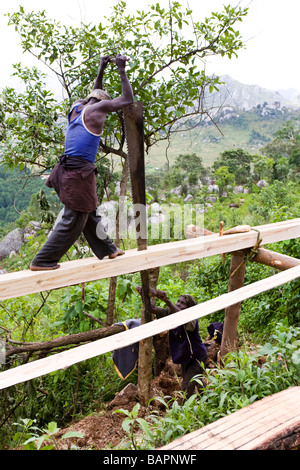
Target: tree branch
{"type": "Point", "coordinates": [77, 338]}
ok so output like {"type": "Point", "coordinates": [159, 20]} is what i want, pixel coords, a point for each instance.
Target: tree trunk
{"type": "Point", "coordinates": [145, 370]}
{"type": "Point", "coordinates": [145, 352]}
{"type": "Point", "coordinates": [111, 304]}
{"type": "Point", "coordinates": [232, 313]}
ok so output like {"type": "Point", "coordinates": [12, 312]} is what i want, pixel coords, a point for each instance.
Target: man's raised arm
{"type": "Point", "coordinates": [104, 61]}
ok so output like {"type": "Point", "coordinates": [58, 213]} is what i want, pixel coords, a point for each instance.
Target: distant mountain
{"type": "Point", "coordinates": [240, 116]}
{"type": "Point", "coordinates": [238, 95]}
{"type": "Point", "coordinates": [291, 95]}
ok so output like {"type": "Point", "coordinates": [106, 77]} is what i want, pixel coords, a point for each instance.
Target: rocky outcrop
{"type": "Point", "coordinates": [12, 242]}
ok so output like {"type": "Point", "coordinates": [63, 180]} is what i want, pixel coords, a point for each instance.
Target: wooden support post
{"type": "Point", "coordinates": [144, 365]}
{"type": "Point", "coordinates": [238, 266]}
{"type": "Point", "coordinates": [145, 370]}
{"type": "Point", "coordinates": [232, 313]}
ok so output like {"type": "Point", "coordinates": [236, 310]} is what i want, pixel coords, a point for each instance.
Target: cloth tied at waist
{"type": "Point", "coordinates": [74, 181]}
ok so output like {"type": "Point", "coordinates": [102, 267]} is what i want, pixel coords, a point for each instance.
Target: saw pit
{"type": "Point", "coordinates": [103, 430]}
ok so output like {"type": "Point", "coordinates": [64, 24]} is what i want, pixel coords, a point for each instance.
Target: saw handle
{"type": "Point", "coordinates": [113, 59]}
{"type": "Point", "coordinates": [160, 294]}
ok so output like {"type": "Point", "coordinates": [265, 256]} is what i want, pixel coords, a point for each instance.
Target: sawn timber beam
{"type": "Point", "coordinates": [25, 282]}
{"type": "Point", "coordinates": [44, 366]}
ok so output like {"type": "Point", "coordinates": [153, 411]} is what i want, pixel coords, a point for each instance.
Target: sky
{"type": "Point", "coordinates": [270, 32]}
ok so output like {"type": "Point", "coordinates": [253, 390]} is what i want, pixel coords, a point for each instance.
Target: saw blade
{"type": "Point", "coordinates": [134, 131]}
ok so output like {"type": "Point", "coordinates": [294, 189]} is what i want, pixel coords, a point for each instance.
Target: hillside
{"type": "Point", "coordinates": [242, 96]}
{"type": "Point", "coordinates": [246, 116]}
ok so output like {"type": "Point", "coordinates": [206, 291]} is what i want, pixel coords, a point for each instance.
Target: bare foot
{"type": "Point", "coordinates": [118, 252]}
{"type": "Point", "coordinates": [33, 267]}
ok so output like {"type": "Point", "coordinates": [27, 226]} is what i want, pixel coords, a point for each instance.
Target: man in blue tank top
{"type": "Point", "coordinates": [74, 177]}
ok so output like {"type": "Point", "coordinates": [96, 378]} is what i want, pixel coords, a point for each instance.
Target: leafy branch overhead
{"type": "Point", "coordinates": [167, 50]}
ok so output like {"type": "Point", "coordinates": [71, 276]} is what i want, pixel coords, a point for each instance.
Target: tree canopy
{"type": "Point", "coordinates": [238, 163]}
{"type": "Point", "coordinates": [167, 50]}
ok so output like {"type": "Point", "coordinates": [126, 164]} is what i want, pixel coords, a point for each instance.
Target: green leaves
{"type": "Point", "coordinates": [91, 299]}
{"type": "Point", "coordinates": [296, 357]}
{"type": "Point", "coordinates": [166, 46]}
{"type": "Point", "coordinates": [237, 163]}
{"type": "Point", "coordinates": [268, 349]}
{"type": "Point", "coordinates": [29, 439]}
{"type": "Point", "coordinates": [131, 422]}
{"type": "Point", "coordinates": [33, 133]}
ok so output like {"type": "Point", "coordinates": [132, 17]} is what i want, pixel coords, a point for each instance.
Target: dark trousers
{"type": "Point", "coordinates": [189, 371]}
{"type": "Point", "coordinates": [68, 230]}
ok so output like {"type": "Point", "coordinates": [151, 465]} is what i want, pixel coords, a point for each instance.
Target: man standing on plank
{"type": "Point", "coordinates": [74, 178]}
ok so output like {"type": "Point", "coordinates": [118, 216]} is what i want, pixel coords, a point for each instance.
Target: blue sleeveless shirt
{"type": "Point", "coordinates": [79, 141]}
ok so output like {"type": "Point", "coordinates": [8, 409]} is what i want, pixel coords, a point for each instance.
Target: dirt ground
{"type": "Point", "coordinates": [104, 430]}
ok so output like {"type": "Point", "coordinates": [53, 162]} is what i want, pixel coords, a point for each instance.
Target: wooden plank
{"type": "Point", "coordinates": [249, 428]}
{"type": "Point", "coordinates": [217, 430]}
{"type": "Point", "coordinates": [218, 433]}
{"type": "Point", "coordinates": [81, 353]}
{"type": "Point", "coordinates": [26, 282]}
{"type": "Point", "coordinates": [259, 423]}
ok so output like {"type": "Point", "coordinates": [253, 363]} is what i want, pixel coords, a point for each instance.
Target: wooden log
{"type": "Point", "coordinates": [44, 366]}
{"type": "Point", "coordinates": [145, 349]}
{"type": "Point", "coordinates": [193, 231]}
{"type": "Point", "coordinates": [62, 341]}
{"type": "Point", "coordinates": [26, 282]}
{"type": "Point", "coordinates": [237, 229]}
{"type": "Point", "coordinates": [275, 260]}
{"type": "Point", "coordinates": [232, 313]}
{"type": "Point", "coordinates": [221, 232]}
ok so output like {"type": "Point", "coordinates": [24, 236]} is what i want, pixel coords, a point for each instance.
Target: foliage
{"type": "Point", "coordinates": [34, 134]}
{"type": "Point", "coordinates": [224, 179]}
{"type": "Point", "coordinates": [167, 48]}
{"type": "Point", "coordinates": [274, 202]}
{"type": "Point", "coordinates": [79, 299]}
{"type": "Point", "coordinates": [284, 150]}
{"type": "Point", "coordinates": [16, 191]}
{"type": "Point", "coordinates": [29, 439]}
{"type": "Point", "coordinates": [187, 167]}
{"type": "Point", "coordinates": [237, 163]}
{"type": "Point", "coordinates": [263, 167]}
{"type": "Point", "coordinates": [131, 422]}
